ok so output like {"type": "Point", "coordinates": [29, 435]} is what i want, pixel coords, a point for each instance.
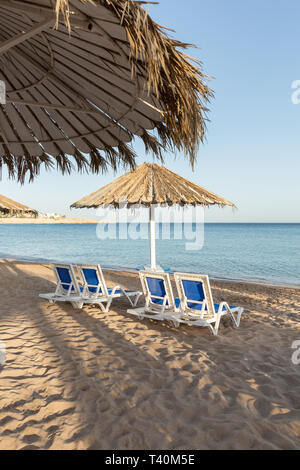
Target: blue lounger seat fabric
{"type": "Point", "coordinates": [199, 306]}
{"type": "Point", "coordinates": [160, 301]}
{"type": "Point", "coordinates": [194, 291]}
{"type": "Point", "coordinates": [157, 288]}
{"type": "Point", "coordinates": [109, 290]}
{"type": "Point", "coordinates": [65, 278]}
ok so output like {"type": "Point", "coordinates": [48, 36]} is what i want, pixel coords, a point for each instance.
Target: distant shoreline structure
{"type": "Point", "coordinates": [47, 220]}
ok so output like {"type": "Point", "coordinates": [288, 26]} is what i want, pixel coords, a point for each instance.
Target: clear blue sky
{"type": "Point", "coordinates": [252, 152]}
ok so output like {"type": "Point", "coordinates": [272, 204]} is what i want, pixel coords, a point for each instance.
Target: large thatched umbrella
{"type": "Point", "coordinates": [10, 207]}
{"type": "Point", "coordinates": [81, 95]}
{"type": "Point", "coordinates": [149, 185]}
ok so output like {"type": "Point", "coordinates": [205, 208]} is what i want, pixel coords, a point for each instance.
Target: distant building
{"type": "Point", "coordinates": [53, 215]}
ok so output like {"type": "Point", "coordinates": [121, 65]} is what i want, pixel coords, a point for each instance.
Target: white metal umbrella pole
{"type": "Point", "coordinates": [152, 237]}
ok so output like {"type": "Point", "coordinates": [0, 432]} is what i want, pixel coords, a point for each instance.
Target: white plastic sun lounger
{"type": "Point", "coordinates": [159, 300]}
{"type": "Point", "coordinates": [196, 303]}
{"type": "Point", "coordinates": [67, 287]}
{"type": "Point", "coordinates": [91, 290]}
{"type": "Point", "coordinates": [95, 291]}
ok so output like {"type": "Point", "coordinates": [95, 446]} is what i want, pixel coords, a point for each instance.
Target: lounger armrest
{"type": "Point", "coordinates": [221, 306]}
{"type": "Point", "coordinates": [114, 289]}
{"type": "Point", "coordinates": [235, 313]}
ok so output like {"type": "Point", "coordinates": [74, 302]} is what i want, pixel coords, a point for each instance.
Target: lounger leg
{"type": "Point", "coordinates": [77, 305]}
{"type": "Point", "coordinates": [103, 309]}
{"type": "Point", "coordinates": [215, 329]}
{"type": "Point", "coordinates": [136, 299]}
{"type": "Point", "coordinates": [108, 304]}
{"type": "Point", "coordinates": [100, 305]}
{"type": "Point", "coordinates": [132, 303]}
{"type": "Point", "coordinates": [236, 320]}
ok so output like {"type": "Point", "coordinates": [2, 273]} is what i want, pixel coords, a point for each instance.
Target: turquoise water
{"type": "Point", "coordinates": [258, 252]}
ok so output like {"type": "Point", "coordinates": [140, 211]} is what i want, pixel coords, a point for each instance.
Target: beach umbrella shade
{"type": "Point", "coordinates": [80, 79]}
{"type": "Point", "coordinates": [8, 206]}
{"type": "Point", "coordinates": [149, 185]}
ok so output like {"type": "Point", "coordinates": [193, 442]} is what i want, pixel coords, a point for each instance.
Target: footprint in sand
{"type": "Point", "coordinates": [31, 438]}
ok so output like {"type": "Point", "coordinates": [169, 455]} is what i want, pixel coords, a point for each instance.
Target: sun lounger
{"type": "Point", "coordinates": [67, 287]}
{"type": "Point", "coordinates": [95, 290]}
{"type": "Point", "coordinates": [196, 303]}
{"type": "Point", "coordinates": [91, 289]}
{"type": "Point", "coordinates": [159, 300]}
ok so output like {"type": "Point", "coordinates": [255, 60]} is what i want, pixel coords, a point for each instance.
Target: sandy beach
{"type": "Point", "coordinates": [82, 379]}
{"type": "Point", "coordinates": [48, 221]}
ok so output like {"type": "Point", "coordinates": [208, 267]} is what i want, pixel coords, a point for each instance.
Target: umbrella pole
{"type": "Point", "coordinates": [152, 237]}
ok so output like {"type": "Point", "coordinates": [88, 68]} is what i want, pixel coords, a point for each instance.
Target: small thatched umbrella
{"type": "Point", "coordinates": [149, 185]}
{"type": "Point", "coordinates": [10, 207]}
{"type": "Point", "coordinates": [79, 92]}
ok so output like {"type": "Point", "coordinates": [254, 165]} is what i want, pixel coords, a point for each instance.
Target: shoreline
{"type": "Point", "coordinates": [128, 270]}
{"type": "Point", "coordinates": [47, 221]}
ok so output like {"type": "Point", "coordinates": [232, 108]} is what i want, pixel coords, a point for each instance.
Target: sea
{"type": "Point", "coordinates": [255, 252]}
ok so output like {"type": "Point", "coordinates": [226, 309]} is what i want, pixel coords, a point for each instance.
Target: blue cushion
{"type": "Point", "coordinates": [199, 306]}
{"type": "Point", "coordinates": [93, 289]}
{"type": "Point", "coordinates": [160, 301]}
{"type": "Point", "coordinates": [193, 290]}
{"type": "Point", "coordinates": [156, 286]}
{"type": "Point", "coordinates": [64, 277]}
{"type": "Point", "coordinates": [91, 278]}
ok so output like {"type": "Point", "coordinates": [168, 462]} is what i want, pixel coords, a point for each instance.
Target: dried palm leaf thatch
{"type": "Point", "coordinates": [78, 98]}
{"type": "Point", "coordinates": [151, 184]}
{"type": "Point", "coordinates": [176, 78]}
{"type": "Point", "coordinates": [10, 207]}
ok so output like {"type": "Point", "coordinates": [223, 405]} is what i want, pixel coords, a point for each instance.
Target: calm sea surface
{"type": "Point", "coordinates": [258, 252]}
